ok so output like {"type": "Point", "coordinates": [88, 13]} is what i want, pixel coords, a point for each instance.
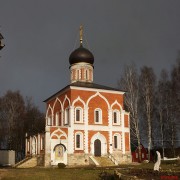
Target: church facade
{"type": "Point", "coordinates": [84, 119]}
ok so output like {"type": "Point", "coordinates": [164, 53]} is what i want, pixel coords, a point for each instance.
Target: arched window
{"type": "Point", "coordinates": [116, 117]}
{"type": "Point", "coordinates": [79, 141]}
{"type": "Point", "coordinates": [98, 116]}
{"type": "Point", "coordinates": [78, 115]}
{"type": "Point", "coordinates": [66, 117]}
{"type": "Point", "coordinates": [117, 141]}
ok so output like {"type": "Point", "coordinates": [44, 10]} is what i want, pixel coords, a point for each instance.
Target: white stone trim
{"type": "Point", "coordinates": [49, 120]}
{"type": "Point", "coordinates": [95, 90]}
{"type": "Point", "coordinates": [110, 129]}
{"type": "Point", "coordinates": [58, 136]}
{"type": "Point", "coordinates": [100, 95]}
{"type": "Point", "coordinates": [56, 101]}
{"type": "Point", "coordinates": [78, 99]}
{"type": "Point", "coordinates": [116, 102]}
{"type": "Point", "coordinates": [66, 98]}
{"type": "Point", "coordinates": [99, 128]}
{"type": "Point", "coordinates": [86, 141]}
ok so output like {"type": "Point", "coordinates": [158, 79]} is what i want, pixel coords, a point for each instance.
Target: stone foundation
{"type": "Point", "coordinates": [78, 159]}
{"type": "Point", "coordinates": [40, 160]}
{"type": "Point", "coordinates": [122, 158]}
{"type": "Point", "coordinates": [47, 160]}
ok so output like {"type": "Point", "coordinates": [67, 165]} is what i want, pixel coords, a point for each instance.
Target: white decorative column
{"type": "Point", "coordinates": [86, 129]}
{"type": "Point", "coordinates": [26, 146]}
{"type": "Point", "coordinates": [123, 133]}
{"type": "Point", "coordinates": [110, 130]}
{"type": "Point", "coordinates": [38, 144]}
{"type": "Point", "coordinates": [71, 131]}
{"type": "Point", "coordinates": [47, 158]}
{"type": "Point", "coordinates": [62, 118]}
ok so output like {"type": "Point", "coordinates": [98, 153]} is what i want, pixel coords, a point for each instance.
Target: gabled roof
{"type": "Point", "coordinates": [84, 85]}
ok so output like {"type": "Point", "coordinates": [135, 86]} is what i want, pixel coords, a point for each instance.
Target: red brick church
{"type": "Point", "coordinates": [83, 119]}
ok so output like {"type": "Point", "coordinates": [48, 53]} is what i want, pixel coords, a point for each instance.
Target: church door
{"type": "Point", "coordinates": [97, 147]}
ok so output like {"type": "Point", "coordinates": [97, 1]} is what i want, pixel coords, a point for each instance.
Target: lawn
{"type": "Point", "coordinates": [144, 171]}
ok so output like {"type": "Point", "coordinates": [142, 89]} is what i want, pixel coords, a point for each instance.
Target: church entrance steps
{"type": "Point", "coordinates": [93, 161]}
{"type": "Point", "coordinates": [104, 161]}
{"type": "Point", "coordinates": [110, 156]}
{"type": "Point", "coordinates": [28, 163]}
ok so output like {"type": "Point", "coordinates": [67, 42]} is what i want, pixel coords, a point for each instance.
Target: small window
{"type": "Point", "coordinates": [79, 141]}
{"type": "Point", "coordinates": [116, 117]}
{"type": "Point", "coordinates": [98, 116]}
{"type": "Point", "coordinates": [115, 142]}
{"type": "Point", "coordinates": [66, 121]}
{"type": "Point", "coordinates": [78, 115]}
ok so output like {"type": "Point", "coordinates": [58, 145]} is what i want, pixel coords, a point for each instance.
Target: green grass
{"type": "Point", "coordinates": [78, 173]}
{"type": "Point", "coordinates": [50, 174]}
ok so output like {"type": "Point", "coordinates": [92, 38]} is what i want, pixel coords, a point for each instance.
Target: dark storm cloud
{"type": "Point", "coordinates": [40, 35]}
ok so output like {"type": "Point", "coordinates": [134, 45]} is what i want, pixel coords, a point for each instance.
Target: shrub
{"type": "Point", "coordinates": [61, 165]}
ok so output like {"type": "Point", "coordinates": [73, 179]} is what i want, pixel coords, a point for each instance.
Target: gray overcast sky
{"type": "Point", "coordinates": [41, 34]}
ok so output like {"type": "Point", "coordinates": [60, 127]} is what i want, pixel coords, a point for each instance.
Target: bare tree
{"type": "Point", "coordinates": [162, 107]}
{"type": "Point", "coordinates": [174, 103]}
{"type": "Point", "coordinates": [129, 82]}
{"type": "Point", "coordinates": [18, 117]}
{"type": "Point", "coordinates": [147, 89]}
{"type": "Point", "coordinates": [12, 111]}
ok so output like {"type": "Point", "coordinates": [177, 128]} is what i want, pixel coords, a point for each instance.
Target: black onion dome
{"type": "Point", "coordinates": [81, 54]}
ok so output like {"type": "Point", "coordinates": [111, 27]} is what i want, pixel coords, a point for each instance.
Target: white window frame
{"type": "Point", "coordinates": [117, 116]}
{"type": "Point", "coordinates": [81, 141]}
{"type": "Point", "coordinates": [100, 116]}
{"type": "Point", "coordinates": [66, 116]}
{"type": "Point", "coordinates": [118, 142]}
{"type": "Point", "coordinates": [80, 115]}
